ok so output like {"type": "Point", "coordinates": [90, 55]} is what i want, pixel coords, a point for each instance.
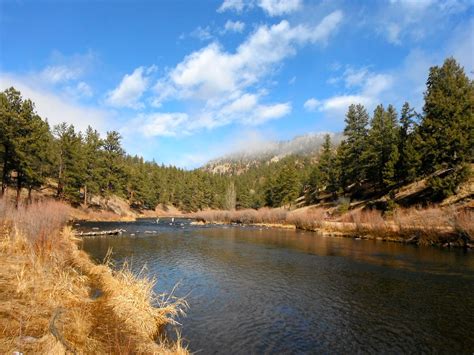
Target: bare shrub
{"type": "Point", "coordinates": [427, 225]}
{"type": "Point", "coordinates": [247, 216]}
{"type": "Point", "coordinates": [40, 223]}
{"type": "Point", "coordinates": [464, 223]}
{"type": "Point", "coordinates": [309, 220]}
{"type": "Point", "coordinates": [368, 221]}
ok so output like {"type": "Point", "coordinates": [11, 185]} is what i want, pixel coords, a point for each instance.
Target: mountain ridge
{"type": "Point", "coordinates": [240, 161]}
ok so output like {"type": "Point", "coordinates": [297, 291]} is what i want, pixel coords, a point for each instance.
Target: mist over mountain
{"type": "Point", "coordinates": [270, 151]}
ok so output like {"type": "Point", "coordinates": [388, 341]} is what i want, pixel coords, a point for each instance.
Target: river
{"type": "Point", "coordinates": [253, 290]}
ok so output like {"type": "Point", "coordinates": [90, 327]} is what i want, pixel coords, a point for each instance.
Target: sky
{"type": "Point", "coordinates": [188, 81]}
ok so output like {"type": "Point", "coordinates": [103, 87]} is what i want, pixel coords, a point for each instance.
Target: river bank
{"type": "Point", "coordinates": [54, 299]}
{"type": "Point", "coordinates": [431, 226]}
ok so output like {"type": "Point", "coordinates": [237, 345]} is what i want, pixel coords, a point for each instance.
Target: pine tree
{"type": "Point", "coordinates": [288, 186]}
{"type": "Point", "coordinates": [355, 145]}
{"type": "Point", "coordinates": [390, 152]}
{"type": "Point", "coordinates": [230, 197]}
{"type": "Point", "coordinates": [381, 155]}
{"type": "Point", "coordinates": [69, 162]}
{"type": "Point", "coordinates": [38, 153]}
{"type": "Point", "coordinates": [328, 167]}
{"type": "Point", "coordinates": [447, 127]}
{"type": "Point", "coordinates": [409, 160]}
{"type": "Point", "coordinates": [113, 169]}
{"type": "Point", "coordinates": [10, 109]}
{"type": "Point", "coordinates": [92, 170]}
{"type": "Point", "coordinates": [313, 185]}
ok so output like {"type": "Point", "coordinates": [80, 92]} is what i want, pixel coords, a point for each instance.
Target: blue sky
{"type": "Point", "coordinates": [188, 81]}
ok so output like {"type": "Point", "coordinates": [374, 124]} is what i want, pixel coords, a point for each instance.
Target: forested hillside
{"type": "Point", "coordinates": [269, 152]}
{"type": "Point", "coordinates": [380, 153]}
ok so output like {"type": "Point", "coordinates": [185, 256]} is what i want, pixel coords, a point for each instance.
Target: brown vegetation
{"type": "Point", "coordinates": [448, 227]}
{"type": "Point", "coordinates": [55, 300]}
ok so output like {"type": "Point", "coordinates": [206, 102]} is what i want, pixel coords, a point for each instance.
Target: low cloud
{"type": "Point", "coordinates": [56, 108]}
{"type": "Point", "coordinates": [130, 90]}
{"type": "Point", "coordinates": [311, 104]}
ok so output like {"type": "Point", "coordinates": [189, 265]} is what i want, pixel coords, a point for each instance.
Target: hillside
{"type": "Point", "coordinates": [307, 145]}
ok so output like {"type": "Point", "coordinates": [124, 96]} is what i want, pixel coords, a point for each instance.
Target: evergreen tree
{"type": "Point", "coordinates": [92, 157]}
{"type": "Point", "coordinates": [69, 162]}
{"type": "Point", "coordinates": [113, 169]}
{"type": "Point", "coordinates": [355, 146]}
{"type": "Point", "coordinates": [10, 109]}
{"type": "Point", "coordinates": [382, 155]}
{"type": "Point", "coordinates": [409, 160]}
{"type": "Point", "coordinates": [327, 167]}
{"type": "Point", "coordinates": [447, 127]}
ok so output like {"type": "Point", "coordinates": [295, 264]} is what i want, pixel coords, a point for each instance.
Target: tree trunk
{"type": "Point", "coordinates": [18, 190]}
{"type": "Point", "coordinates": [85, 196]}
{"type": "Point", "coordinates": [5, 172]}
{"type": "Point", "coordinates": [30, 199]}
{"type": "Point", "coordinates": [60, 177]}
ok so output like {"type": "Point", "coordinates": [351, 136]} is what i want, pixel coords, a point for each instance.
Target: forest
{"type": "Point", "coordinates": [379, 153]}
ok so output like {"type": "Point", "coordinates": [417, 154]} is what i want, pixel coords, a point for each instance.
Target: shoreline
{"type": "Point", "coordinates": [443, 238]}
{"type": "Point", "coordinates": [56, 299]}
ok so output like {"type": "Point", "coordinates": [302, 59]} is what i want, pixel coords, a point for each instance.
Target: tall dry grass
{"type": "Point", "coordinates": [419, 226]}
{"type": "Point", "coordinates": [308, 219]}
{"type": "Point", "coordinates": [47, 286]}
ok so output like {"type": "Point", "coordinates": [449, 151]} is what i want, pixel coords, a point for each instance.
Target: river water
{"type": "Point", "coordinates": [253, 290]}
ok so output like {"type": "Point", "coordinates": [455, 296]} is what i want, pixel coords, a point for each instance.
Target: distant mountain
{"type": "Point", "coordinates": [268, 152]}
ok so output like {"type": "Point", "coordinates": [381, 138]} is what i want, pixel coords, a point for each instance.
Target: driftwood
{"type": "Point", "coordinates": [98, 233]}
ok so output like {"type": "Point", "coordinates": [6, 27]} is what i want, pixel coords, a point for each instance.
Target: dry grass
{"type": "Point", "coordinates": [435, 225]}
{"type": "Point", "coordinates": [46, 287]}
{"type": "Point", "coordinates": [308, 219]}
{"type": "Point", "coordinates": [367, 221]}
{"type": "Point", "coordinates": [445, 226]}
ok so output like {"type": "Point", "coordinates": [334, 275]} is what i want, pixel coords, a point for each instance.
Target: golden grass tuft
{"type": "Point", "coordinates": [46, 287]}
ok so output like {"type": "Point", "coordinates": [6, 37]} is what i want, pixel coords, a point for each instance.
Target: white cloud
{"type": "Point", "coordinates": [222, 82]}
{"type": "Point", "coordinates": [234, 26]}
{"type": "Point", "coordinates": [67, 68]}
{"type": "Point", "coordinates": [244, 103]}
{"type": "Point", "coordinates": [279, 7]}
{"type": "Point", "coordinates": [211, 71]}
{"type": "Point", "coordinates": [270, 7]}
{"type": "Point", "coordinates": [58, 108]}
{"type": "Point", "coordinates": [236, 5]}
{"type": "Point", "coordinates": [363, 86]}
{"type": "Point", "coordinates": [130, 89]}
{"type": "Point", "coordinates": [413, 4]}
{"type": "Point", "coordinates": [80, 90]}
{"type": "Point", "coordinates": [161, 124]}
{"type": "Point", "coordinates": [414, 20]}
{"type": "Point", "coordinates": [341, 103]}
{"type": "Point", "coordinates": [84, 89]}
{"type": "Point", "coordinates": [355, 77]}
{"type": "Point", "coordinates": [269, 112]}
{"type": "Point", "coordinates": [311, 104]}
{"type": "Point", "coordinates": [61, 73]}
{"type": "Point", "coordinates": [202, 33]}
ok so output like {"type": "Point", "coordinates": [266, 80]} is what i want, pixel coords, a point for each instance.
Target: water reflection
{"type": "Point", "coordinates": [261, 290]}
